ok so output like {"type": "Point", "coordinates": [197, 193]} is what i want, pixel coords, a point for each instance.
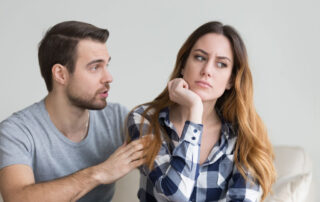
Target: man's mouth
{"type": "Point", "coordinates": [104, 94]}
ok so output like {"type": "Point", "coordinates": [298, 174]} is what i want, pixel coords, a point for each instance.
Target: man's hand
{"type": "Point", "coordinates": [123, 160]}
{"type": "Point", "coordinates": [17, 181]}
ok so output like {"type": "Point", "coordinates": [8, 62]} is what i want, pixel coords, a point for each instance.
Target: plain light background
{"type": "Point", "coordinates": [282, 38]}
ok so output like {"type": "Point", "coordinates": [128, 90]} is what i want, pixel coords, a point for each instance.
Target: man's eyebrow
{"type": "Point", "coordinates": [97, 61]}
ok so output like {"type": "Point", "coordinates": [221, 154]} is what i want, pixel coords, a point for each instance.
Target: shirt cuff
{"type": "Point", "coordinates": [192, 132]}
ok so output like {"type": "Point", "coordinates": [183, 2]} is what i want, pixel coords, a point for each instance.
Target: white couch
{"type": "Point", "coordinates": [294, 179]}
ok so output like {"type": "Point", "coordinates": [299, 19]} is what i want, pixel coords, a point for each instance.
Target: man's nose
{"type": "Point", "coordinates": [106, 77]}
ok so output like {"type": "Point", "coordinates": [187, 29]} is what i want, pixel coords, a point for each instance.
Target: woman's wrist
{"type": "Point", "coordinates": [195, 113]}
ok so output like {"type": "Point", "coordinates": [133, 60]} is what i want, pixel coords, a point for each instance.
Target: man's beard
{"type": "Point", "coordinates": [86, 103]}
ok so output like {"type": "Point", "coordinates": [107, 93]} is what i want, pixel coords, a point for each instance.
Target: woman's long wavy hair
{"type": "Point", "coordinates": [253, 150]}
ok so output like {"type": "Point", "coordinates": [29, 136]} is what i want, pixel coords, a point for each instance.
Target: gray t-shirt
{"type": "Point", "coordinates": [29, 137]}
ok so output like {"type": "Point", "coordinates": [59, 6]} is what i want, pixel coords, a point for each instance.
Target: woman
{"type": "Point", "coordinates": [209, 144]}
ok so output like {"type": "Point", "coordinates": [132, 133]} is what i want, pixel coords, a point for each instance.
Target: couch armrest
{"type": "Point", "coordinates": [294, 176]}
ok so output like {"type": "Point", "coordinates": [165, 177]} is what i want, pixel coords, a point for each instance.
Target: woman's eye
{"type": "Point", "coordinates": [199, 58]}
{"type": "Point", "coordinates": [221, 64]}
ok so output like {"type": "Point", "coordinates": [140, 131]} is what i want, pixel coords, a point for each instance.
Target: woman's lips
{"type": "Point", "coordinates": [203, 84]}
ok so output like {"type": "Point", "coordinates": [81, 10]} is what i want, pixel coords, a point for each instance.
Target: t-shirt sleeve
{"type": "Point", "coordinates": [15, 145]}
{"type": "Point", "coordinates": [122, 113]}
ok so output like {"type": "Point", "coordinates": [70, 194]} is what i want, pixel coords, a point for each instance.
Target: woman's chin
{"type": "Point", "coordinates": [206, 98]}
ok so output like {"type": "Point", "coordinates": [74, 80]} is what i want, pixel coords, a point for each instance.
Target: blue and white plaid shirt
{"type": "Point", "coordinates": [177, 174]}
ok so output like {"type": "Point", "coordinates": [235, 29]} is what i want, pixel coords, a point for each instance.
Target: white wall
{"type": "Point", "coordinates": [282, 38]}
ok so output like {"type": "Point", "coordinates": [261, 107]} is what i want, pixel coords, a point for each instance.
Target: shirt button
{"type": "Point", "coordinates": [193, 138]}
{"type": "Point", "coordinates": [195, 130]}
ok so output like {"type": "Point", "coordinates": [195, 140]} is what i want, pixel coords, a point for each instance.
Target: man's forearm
{"type": "Point", "coordinates": [17, 181]}
{"type": "Point", "coordinates": [69, 188]}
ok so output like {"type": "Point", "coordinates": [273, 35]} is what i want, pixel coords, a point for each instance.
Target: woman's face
{"type": "Point", "coordinates": [209, 66]}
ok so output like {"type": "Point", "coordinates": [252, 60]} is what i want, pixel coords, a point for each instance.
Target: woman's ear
{"type": "Point", "coordinates": [182, 71]}
{"type": "Point", "coordinates": [229, 84]}
{"type": "Point", "coordinates": [60, 74]}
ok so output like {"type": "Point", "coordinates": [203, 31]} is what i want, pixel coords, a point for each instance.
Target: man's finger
{"type": "Point", "coordinates": [137, 155]}
{"type": "Point", "coordinates": [138, 146]}
{"type": "Point", "coordinates": [137, 163]}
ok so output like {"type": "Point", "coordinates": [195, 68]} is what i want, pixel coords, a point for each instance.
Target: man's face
{"type": "Point", "coordinates": [88, 85]}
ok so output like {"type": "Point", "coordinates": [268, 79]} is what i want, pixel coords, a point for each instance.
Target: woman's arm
{"type": "Point", "coordinates": [174, 174]}
{"type": "Point", "coordinates": [242, 190]}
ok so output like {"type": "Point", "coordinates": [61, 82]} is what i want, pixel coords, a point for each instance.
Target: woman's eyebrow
{"type": "Point", "coordinates": [202, 51]}
{"type": "Point", "coordinates": [219, 57]}
{"type": "Point", "coordinates": [224, 58]}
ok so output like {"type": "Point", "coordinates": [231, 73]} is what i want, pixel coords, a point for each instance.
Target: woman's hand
{"type": "Point", "coordinates": [180, 93]}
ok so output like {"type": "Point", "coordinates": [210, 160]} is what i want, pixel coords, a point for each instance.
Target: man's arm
{"type": "Point", "coordinates": [17, 181]}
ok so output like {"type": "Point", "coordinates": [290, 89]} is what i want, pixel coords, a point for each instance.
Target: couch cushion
{"type": "Point", "coordinates": [291, 161]}
{"type": "Point", "coordinates": [293, 189]}
{"type": "Point", "coordinates": [294, 175]}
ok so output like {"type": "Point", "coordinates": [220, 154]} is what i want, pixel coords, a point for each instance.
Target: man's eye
{"type": "Point", "coordinates": [94, 68]}
{"type": "Point", "coordinates": [221, 64]}
{"type": "Point", "coordinates": [199, 58]}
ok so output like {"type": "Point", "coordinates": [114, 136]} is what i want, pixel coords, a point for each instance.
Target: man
{"type": "Point", "coordinates": [65, 147]}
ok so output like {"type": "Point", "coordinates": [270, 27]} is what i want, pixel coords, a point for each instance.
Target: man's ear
{"type": "Point", "coordinates": [60, 74]}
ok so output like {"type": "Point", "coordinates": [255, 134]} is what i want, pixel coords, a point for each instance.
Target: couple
{"type": "Point", "coordinates": [199, 140]}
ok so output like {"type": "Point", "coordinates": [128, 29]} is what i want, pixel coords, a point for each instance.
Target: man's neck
{"type": "Point", "coordinates": [70, 120]}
